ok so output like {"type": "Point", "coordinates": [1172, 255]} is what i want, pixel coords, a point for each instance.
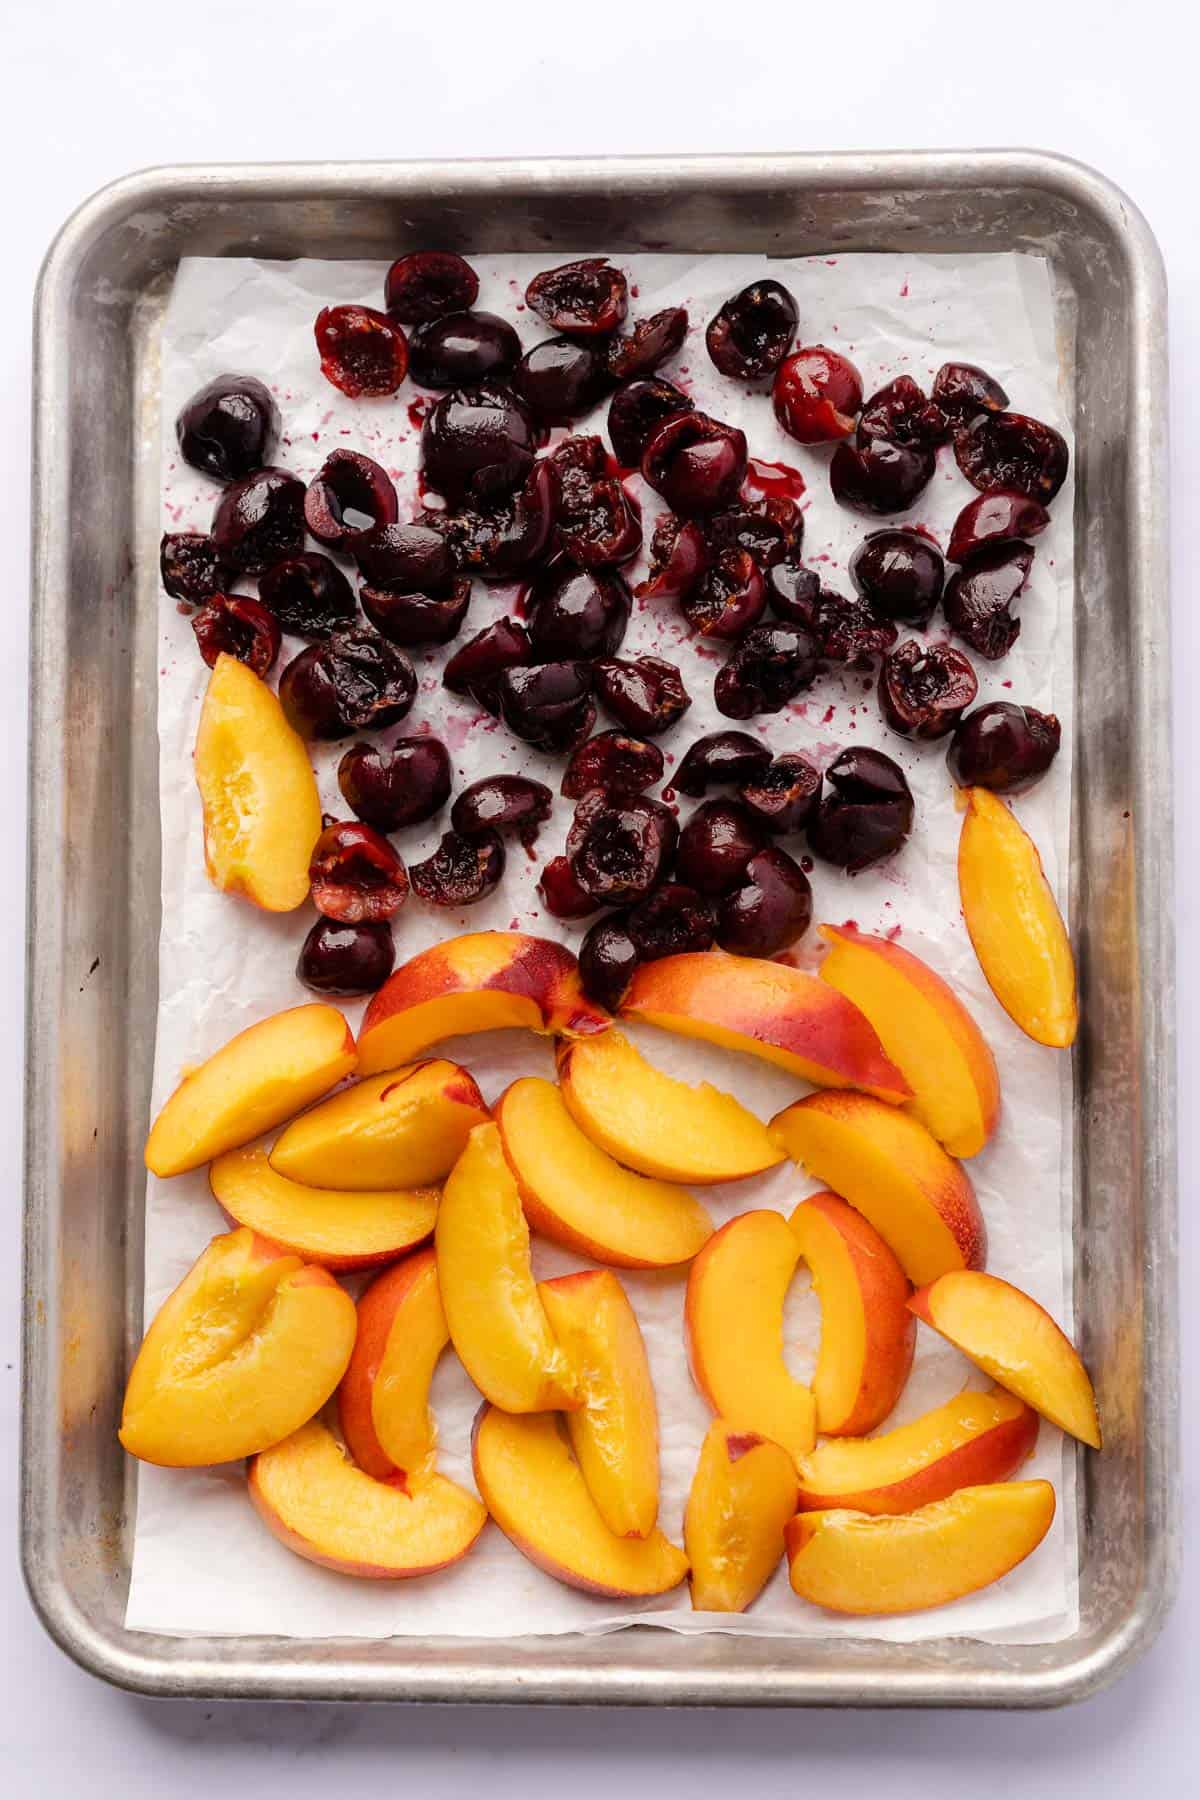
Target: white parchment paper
{"type": "Point", "coordinates": [203, 1562]}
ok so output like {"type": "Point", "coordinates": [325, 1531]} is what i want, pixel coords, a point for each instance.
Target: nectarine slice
{"type": "Point", "coordinates": [322, 1507]}
{"type": "Point", "coordinates": [579, 1196]}
{"type": "Point", "coordinates": [497, 1321]}
{"type": "Point", "coordinates": [482, 981]}
{"type": "Point", "coordinates": [383, 1401]}
{"type": "Point", "coordinates": [402, 1130]}
{"type": "Point", "coordinates": [534, 1489]}
{"type": "Point", "coordinates": [652, 1123]}
{"type": "Point", "coordinates": [867, 1342]}
{"type": "Point", "coordinates": [885, 1163]}
{"type": "Point", "coordinates": [925, 1029]}
{"type": "Point", "coordinates": [249, 1346]}
{"type": "Point", "coordinates": [1014, 922]}
{"type": "Point", "coordinates": [255, 1081]}
{"type": "Point", "coordinates": [614, 1434]}
{"type": "Point", "coordinates": [733, 1318]}
{"type": "Point", "coordinates": [1017, 1343]}
{"type": "Point", "coordinates": [972, 1439]}
{"type": "Point", "coordinates": [339, 1229]}
{"type": "Point", "coordinates": [742, 1496]}
{"type": "Point", "coordinates": [767, 1010]}
{"type": "Point", "coordinates": [262, 813]}
{"type": "Point", "coordinates": [851, 1562]}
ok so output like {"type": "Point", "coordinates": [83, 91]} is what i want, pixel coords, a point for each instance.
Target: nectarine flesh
{"type": "Point", "coordinates": [742, 1495]}
{"type": "Point", "coordinates": [383, 1400]}
{"type": "Point", "coordinates": [401, 1130]}
{"type": "Point", "coordinates": [340, 1229]}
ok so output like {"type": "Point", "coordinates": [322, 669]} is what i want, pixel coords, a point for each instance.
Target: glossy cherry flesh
{"type": "Point", "coordinates": [561, 378]}
{"type": "Point", "coordinates": [577, 613]}
{"type": "Point", "coordinates": [229, 428]}
{"type": "Point", "coordinates": [924, 690]}
{"type": "Point", "coordinates": [561, 893]}
{"type": "Point", "coordinates": [308, 594]}
{"type": "Point", "coordinates": [597, 523]}
{"type": "Point", "coordinates": [783, 796]}
{"type": "Point", "coordinates": [236, 625]}
{"type": "Point", "coordinates": [354, 681]}
{"type": "Point", "coordinates": [619, 848]}
{"type": "Point", "coordinates": [363, 353]}
{"type": "Point", "coordinates": [770, 908]}
{"type": "Point", "coordinates": [614, 763]}
{"type": "Point", "coordinates": [402, 785]}
{"type": "Point", "coordinates": [716, 844]}
{"type": "Point", "coordinates": [1005, 747]}
{"type": "Point", "coordinates": [695, 462]}
{"type": "Point", "coordinates": [417, 618]}
{"type": "Point", "coordinates": [190, 568]}
{"type": "Point", "coordinates": [878, 476]}
{"type": "Point", "coordinates": [1009, 450]}
{"type": "Point", "coordinates": [753, 332]}
{"type": "Point", "coordinates": [769, 668]}
{"type": "Point", "coordinates": [903, 412]}
{"type": "Point", "coordinates": [477, 444]}
{"type": "Point", "coordinates": [549, 706]}
{"type": "Point", "coordinates": [355, 875]}
{"type": "Point", "coordinates": [409, 559]}
{"type": "Point", "coordinates": [504, 540]}
{"type": "Point", "coordinates": [867, 811]}
{"type": "Point", "coordinates": [460, 349]}
{"type": "Point", "coordinates": [346, 959]}
{"type": "Point", "coordinates": [608, 961]}
{"type": "Point", "coordinates": [425, 284]}
{"type": "Point", "coordinates": [646, 694]}
{"type": "Point", "coordinates": [722, 759]}
{"type": "Point", "coordinates": [650, 344]}
{"type": "Point", "coordinates": [817, 395]}
{"type": "Point", "coordinates": [258, 520]}
{"type": "Point", "coordinates": [581, 299]}
{"type": "Point", "coordinates": [476, 668]}
{"type": "Point", "coordinates": [502, 803]}
{"type": "Point", "coordinates": [899, 574]}
{"type": "Point", "coordinates": [729, 597]}
{"type": "Point", "coordinates": [348, 497]}
{"type": "Point", "coordinates": [679, 555]}
{"type": "Point", "coordinates": [462, 870]}
{"type": "Point", "coordinates": [962, 390]}
{"type": "Point", "coordinates": [994, 519]}
{"type": "Point", "coordinates": [635, 413]}
{"type": "Point", "coordinates": [978, 599]}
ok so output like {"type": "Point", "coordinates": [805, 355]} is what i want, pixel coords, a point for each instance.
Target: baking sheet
{"type": "Point", "coordinates": [202, 1560]}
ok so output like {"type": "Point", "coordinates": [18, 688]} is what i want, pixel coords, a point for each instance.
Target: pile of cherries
{"type": "Point", "coordinates": [726, 554]}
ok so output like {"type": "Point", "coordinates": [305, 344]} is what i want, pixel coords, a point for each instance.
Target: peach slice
{"type": "Point", "coordinates": [534, 1489]}
{"type": "Point", "coordinates": [383, 1402]}
{"type": "Point", "coordinates": [884, 1162]}
{"type": "Point", "coordinates": [249, 1346]}
{"type": "Point", "coordinates": [972, 1439]}
{"type": "Point", "coordinates": [851, 1562]}
{"type": "Point", "coordinates": [614, 1434]}
{"type": "Point", "coordinates": [733, 1320]}
{"type": "Point", "coordinates": [574, 1193]}
{"type": "Point", "coordinates": [255, 1081]}
{"type": "Point", "coordinates": [652, 1123]}
{"type": "Point", "coordinates": [867, 1342]}
{"type": "Point", "coordinates": [484, 981]}
{"type": "Point", "coordinates": [340, 1229]}
{"type": "Point", "coordinates": [1017, 1343]}
{"type": "Point", "coordinates": [1014, 922]}
{"type": "Point", "coordinates": [322, 1507]}
{"type": "Point", "coordinates": [768, 1010]}
{"type": "Point", "coordinates": [258, 793]}
{"type": "Point", "coordinates": [743, 1494]}
{"type": "Point", "coordinates": [925, 1029]}
{"type": "Point", "coordinates": [497, 1321]}
{"type": "Point", "coordinates": [402, 1130]}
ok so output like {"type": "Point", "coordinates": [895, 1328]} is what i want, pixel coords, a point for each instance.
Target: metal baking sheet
{"type": "Point", "coordinates": [95, 851]}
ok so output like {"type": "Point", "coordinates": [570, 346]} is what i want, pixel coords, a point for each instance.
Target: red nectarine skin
{"type": "Point", "coordinates": [537, 969]}
{"type": "Point", "coordinates": [377, 1310]}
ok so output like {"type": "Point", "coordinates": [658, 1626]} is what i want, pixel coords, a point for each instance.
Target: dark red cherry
{"type": "Point", "coordinates": [608, 960]}
{"type": "Point", "coordinates": [695, 462]}
{"type": "Point", "coordinates": [502, 803]}
{"type": "Point", "coordinates": [561, 378]}
{"type": "Point", "coordinates": [817, 395]}
{"type": "Point", "coordinates": [771, 665]}
{"type": "Point", "coordinates": [716, 844]}
{"type": "Point", "coordinates": [903, 412]}
{"type": "Point", "coordinates": [768, 530]}
{"type": "Point", "coordinates": [753, 332]}
{"type": "Point", "coordinates": [635, 413]}
{"type": "Point", "coordinates": [615, 764]}
{"type": "Point", "coordinates": [792, 592]}
{"type": "Point", "coordinates": [651, 343]}
{"type": "Point", "coordinates": [924, 690]}
{"type": "Point", "coordinates": [410, 559]}
{"type": "Point", "coordinates": [402, 785]}
{"type": "Point", "coordinates": [476, 668]}
{"type": "Point", "coordinates": [994, 519]}
{"type": "Point", "coordinates": [597, 523]}
{"type": "Point", "coordinates": [549, 706]}
{"type": "Point", "coordinates": [354, 681]}
{"type": "Point", "coordinates": [583, 299]}
{"type": "Point", "coordinates": [620, 848]}
{"type": "Point", "coordinates": [258, 520]}
{"type": "Point", "coordinates": [504, 540]}
{"type": "Point", "coordinates": [461, 349]}
{"type": "Point", "coordinates": [729, 597]}
{"type": "Point", "coordinates": [783, 796]}
{"type": "Point", "coordinates": [229, 428]}
{"type": "Point", "coordinates": [1004, 747]}
{"type": "Point", "coordinates": [879, 476]}
{"type": "Point", "coordinates": [847, 630]}
{"type": "Point", "coordinates": [962, 390]}
{"type": "Point", "coordinates": [477, 444]}
{"type": "Point", "coordinates": [308, 594]}
{"type": "Point", "coordinates": [190, 568]}
{"type": "Point", "coordinates": [1009, 450]}
{"type": "Point", "coordinates": [362, 352]}
{"type": "Point", "coordinates": [899, 574]}
{"type": "Point", "coordinates": [978, 599]}
{"type": "Point", "coordinates": [417, 618]}
{"type": "Point", "coordinates": [236, 625]}
{"type": "Point", "coordinates": [425, 284]}
{"type": "Point", "coordinates": [722, 759]}
{"type": "Point", "coordinates": [349, 496]}
{"type": "Point", "coordinates": [561, 893]}
{"type": "Point", "coordinates": [679, 555]}
{"type": "Point", "coordinates": [645, 694]}
{"type": "Point", "coordinates": [672, 921]}
{"type": "Point", "coordinates": [867, 811]}
{"type": "Point", "coordinates": [577, 613]}
{"type": "Point", "coordinates": [771, 907]}
{"type": "Point", "coordinates": [355, 875]}
{"type": "Point", "coordinates": [346, 959]}
{"type": "Point", "coordinates": [461, 872]}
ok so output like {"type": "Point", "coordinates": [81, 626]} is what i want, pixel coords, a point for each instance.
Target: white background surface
{"type": "Point", "coordinates": [93, 92]}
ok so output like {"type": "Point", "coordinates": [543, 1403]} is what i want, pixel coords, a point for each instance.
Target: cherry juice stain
{"type": "Point", "coordinates": [775, 480]}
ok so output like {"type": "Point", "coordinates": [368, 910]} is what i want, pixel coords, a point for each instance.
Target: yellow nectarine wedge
{"type": "Point", "coordinates": [973, 1439]}
{"type": "Point", "coordinates": [249, 1346]}
{"type": "Point", "coordinates": [322, 1507]}
{"type": "Point", "coordinates": [497, 1321]}
{"type": "Point", "coordinates": [579, 1196]}
{"type": "Point", "coordinates": [255, 1081]}
{"type": "Point", "coordinates": [614, 1434]}
{"type": "Point", "coordinates": [1017, 1343]}
{"type": "Point", "coordinates": [768, 1010]}
{"type": "Point", "coordinates": [340, 1229]}
{"type": "Point", "coordinates": [262, 813]}
{"type": "Point", "coordinates": [383, 1401]}
{"type": "Point", "coordinates": [925, 1029]}
{"type": "Point", "coordinates": [742, 1495]}
{"type": "Point", "coordinates": [482, 981]}
{"type": "Point", "coordinates": [733, 1319]}
{"type": "Point", "coordinates": [885, 1163]}
{"type": "Point", "coordinates": [401, 1130]}
{"type": "Point", "coordinates": [852, 1562]}
{"type": "Point", "coordinates": [655, 1124]}
{"type": "Point", "coordinates": [1014, 922]}
{"type": "Point", "coordinates": [867, 1342]}
{"type": "Point", "coordinates": [534, 1489]}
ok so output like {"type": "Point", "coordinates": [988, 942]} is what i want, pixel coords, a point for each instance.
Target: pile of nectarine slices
{"type": "Point", "coordinates": [406, 1172]}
